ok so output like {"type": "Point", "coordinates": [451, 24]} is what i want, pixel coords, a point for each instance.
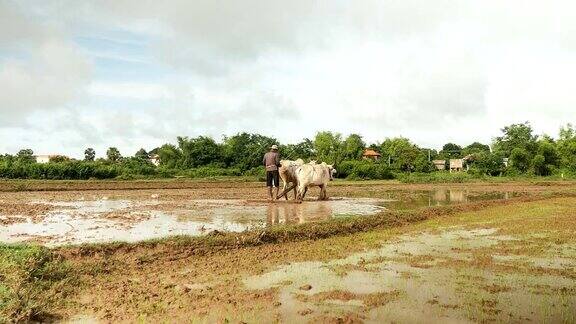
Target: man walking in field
{"type": "Point", "coordinates": [271, 162]}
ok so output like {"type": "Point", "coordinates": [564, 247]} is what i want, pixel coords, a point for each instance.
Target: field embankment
{"type": "Point", "coordinates": [249, 183]}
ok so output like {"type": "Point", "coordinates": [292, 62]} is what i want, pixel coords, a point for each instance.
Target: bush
{"type": "Point", "coordinates": [258, 172]}
{"type": "Point", "coordinates": [487, 164]}
{"type": "Point", "coordinates": [32, 281]}
{"type": "Point", "coordinates": [69, 170]}
{"type": "Point", "coordinates": [366, 170]}
{"type": "Point", "coordinates": [210, 171]}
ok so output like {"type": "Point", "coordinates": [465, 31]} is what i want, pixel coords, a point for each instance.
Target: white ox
{"type": "Point", "coordinates": [287, 173]}
{"type": "Point", "coordinates": [312, 174]}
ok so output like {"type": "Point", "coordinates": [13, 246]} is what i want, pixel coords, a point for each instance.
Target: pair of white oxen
{"type": "Point", "coordinates": [303, 176]}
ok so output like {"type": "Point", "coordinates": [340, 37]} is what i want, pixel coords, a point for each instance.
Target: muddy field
{"type": "Point", "coordinates": [64, 216]}
{"type": "Point", "coordinates": [377, 252]}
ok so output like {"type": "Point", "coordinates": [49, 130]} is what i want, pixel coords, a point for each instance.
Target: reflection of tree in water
{"type": "Point", "coordinates": [288, 213]}
{"type": "Point", "coordinates": [458, 196]}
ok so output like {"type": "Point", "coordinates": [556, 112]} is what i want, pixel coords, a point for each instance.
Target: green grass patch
{"type": "Point", "coordinates": [32, 282]}
{"type": "Point", "coordinates": [464, 177]}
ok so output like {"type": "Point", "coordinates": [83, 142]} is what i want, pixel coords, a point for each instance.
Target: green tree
{"type": "Point", "coordinates": [431, 153]}
{"type": "Point", "coordinates": [89, 154]}
{"type": "Point", "coordinates": [567, 147]}
{"type": "Point", "coordinates": [401, 153]}
{"type": "Point", "coordinates": [25, 156]}
{"type": "Point", "coordinates": [422, 163]}
{"type": "Point", "coordinates": [199, 151]}
{"type": "Point", "coordinates": [170, 156]}
{"type": "Point", "coordinates": [7, 158]}
{"type": "Point", "coordinates": [328, 147]}
{"type": "Point", "coordinates": [475, 148]}
{"type": "Point", "coordinates": [547, 159]}
{"type": "Point", "coordinates": [487, 163]}
{"type": "Point", "coordinates": [520, 159]}
{"type": "Point", "coordinates": [516, 136]}
{"type": "Point", "coordinates": [142, 155]}
{"type": "Point", "coordinates": [113, 154]}
{"type": "Point", "coordinates": [451, 151]}
{"type": "Point", "coordinates": [375, 146]}
{"type": "Point", "coordinates": [353, 147]}
{"type": "Point", "coordinates": [303, 150]}
{"type": "Point", "coordinates": [245, 151]}
{"type": "Point", "coordinates": [59, 159]}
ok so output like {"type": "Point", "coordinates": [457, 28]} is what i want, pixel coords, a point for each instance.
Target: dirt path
{"type": "Point", "coordinates": [506, 263]}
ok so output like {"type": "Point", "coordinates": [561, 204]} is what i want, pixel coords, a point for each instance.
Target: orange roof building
{"type": "Point", "coordinates": [371, 154]}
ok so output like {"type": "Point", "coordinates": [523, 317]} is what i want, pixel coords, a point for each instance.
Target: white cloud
{"type": "Point", "coordinates": [434, 71]}
{"type": "Point", "coordinates": [47, 71]}
{"type": "Point", "coordinates": [129, 90]}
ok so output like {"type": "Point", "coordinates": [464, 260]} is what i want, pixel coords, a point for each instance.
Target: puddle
{"type": "Point", "coordinates": [425, 292]}
{"type": "Point", "coordinates": [123, 220]}
{"type": "Point", "coordinates": [402, 200]}
{"type": "Point", "coordinates": [104, 220]}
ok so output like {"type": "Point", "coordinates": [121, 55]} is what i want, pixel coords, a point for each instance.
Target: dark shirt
{"type": "Point", "coordinates": [271, 161]}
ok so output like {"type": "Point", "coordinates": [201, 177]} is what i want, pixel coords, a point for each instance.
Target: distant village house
{"type": "Point", "coordinates": [440, 165]}
{"type": "Point", "coordinates": [155, 159]}
{"type": "Point", "coordinates": [456, 165]}
{"type": "Point", "coordinates": [45, 158]}
{"type": "Point", "coordinates": [370, 154]}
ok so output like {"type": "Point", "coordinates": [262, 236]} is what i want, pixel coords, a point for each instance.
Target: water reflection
{"type": "Point", "coordinates": [133, 220]}
{"type": "Point", "coordinates": [403, 200]}
{"type": "Point", "coordinates": [288, 213]}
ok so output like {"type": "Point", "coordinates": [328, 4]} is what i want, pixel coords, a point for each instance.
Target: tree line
{"type": "Point", "coordinates": [517, 151]}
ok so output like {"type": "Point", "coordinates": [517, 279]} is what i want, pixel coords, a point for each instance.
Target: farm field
{"type": "Point", "coordinates": [378, 251]}
{"type": "Point", "coordinates": [428, 154]}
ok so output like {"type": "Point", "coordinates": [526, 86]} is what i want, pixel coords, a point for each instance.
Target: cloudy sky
{"type": "Point", "coordinates": [138, 73]}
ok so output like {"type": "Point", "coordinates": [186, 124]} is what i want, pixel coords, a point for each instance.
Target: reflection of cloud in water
{"type": "Point", "coordinates": [123, 220]}
{"type": "Point", "coordinates": [134, 220]}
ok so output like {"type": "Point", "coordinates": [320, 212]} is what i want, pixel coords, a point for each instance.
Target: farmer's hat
{"type": "Point", "coordinates": [274, 147]}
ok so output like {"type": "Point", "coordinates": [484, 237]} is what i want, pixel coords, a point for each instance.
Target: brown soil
{"type": "Point", "coordinates": [16, 209]}
{"type": "Point", "coordinates": [171, 195]}
{"type": "Point", "coordinates": [369, 300]}
{"type": "Point", "coordinates": [145, 279]}
{"type": "Point", "coordinates": [201, 278]}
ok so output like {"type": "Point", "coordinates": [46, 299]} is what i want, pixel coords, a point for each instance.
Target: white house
{"type": "Point", "coordinates": [155, 159]}
{"type": "Point", "coordinates": [45, 158]}
{"type": "Point", "coordinates": [456, 165]}
{"type": "Point", "coordinates": [439, 164]}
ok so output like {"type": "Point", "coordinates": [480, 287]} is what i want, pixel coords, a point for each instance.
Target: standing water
{"type": "Point", "coordinates": [103, 220]}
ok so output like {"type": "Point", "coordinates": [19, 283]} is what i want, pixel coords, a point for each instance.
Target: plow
{"type": "Point", "coordinates": [286, 191]}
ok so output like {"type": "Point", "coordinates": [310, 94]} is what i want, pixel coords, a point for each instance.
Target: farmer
{"type": "Point", "coordinates": [271, 162]}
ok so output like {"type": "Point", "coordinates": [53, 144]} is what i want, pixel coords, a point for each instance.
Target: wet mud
{"type": "Point", "coordinates": [508, 261]}
{"type": "Point", "coordinates": [428, 277]}
{"type": "Point", "coordinates": [59, 218]}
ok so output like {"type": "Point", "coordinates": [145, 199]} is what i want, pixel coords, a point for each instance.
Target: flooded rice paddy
{"type": "Point", "coordinates": [432, 277]}
{"type": "Point", "coordinates": [95, 219]}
